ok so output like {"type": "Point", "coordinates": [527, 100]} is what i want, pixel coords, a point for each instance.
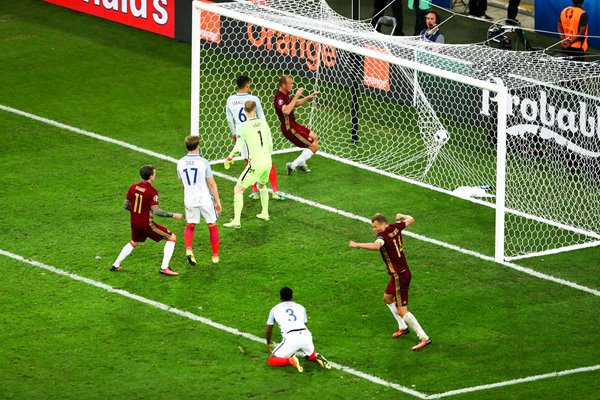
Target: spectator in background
{"type": "Point", "coordinates": [573, 30]}
{"type": "Point", "coordinates": [422, 7]}
{"type": "Point", "coordinates": [477, 8]}
{"type": "Point", "coordinates": [432, 33]}
{"type": "Point", "coordinates": [513, 10]}
{"type": "Point", "coordinates": [379, 7]}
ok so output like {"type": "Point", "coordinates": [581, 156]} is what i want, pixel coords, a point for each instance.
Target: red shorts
{"type": "Point", "coordinates": [299, 135]}
{"type": "Point", "coordinates": [398, 287]}
{"type": "Point", "coordinates": [153, 231]}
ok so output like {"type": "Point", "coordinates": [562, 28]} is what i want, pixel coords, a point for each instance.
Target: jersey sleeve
{"type": "Point", "coordinates": [129, 195]}
{"type": "Point", "coordinates": [230, 118]}
{"type": "Point", "coordinates": [269, 138]}
{"type": "Point", "coordinates": [154, 201]}
{"type": "Point", "coordinates": [278, 102]}
{"type": "Point", "coordinates": [271, 319]}
{"type": "Point", "coordinates": [305, 315]}
{"type": "Point", "coordinates": [208, 171]}
{"type": "Point", "coordinates": [259, 110]}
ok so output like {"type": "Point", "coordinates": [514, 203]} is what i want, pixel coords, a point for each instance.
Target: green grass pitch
{"type": "Point", "coordinates": [61, 197]}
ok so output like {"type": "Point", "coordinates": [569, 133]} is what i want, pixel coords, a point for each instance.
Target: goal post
{"type": "Point", "coordinates": [443, 117]}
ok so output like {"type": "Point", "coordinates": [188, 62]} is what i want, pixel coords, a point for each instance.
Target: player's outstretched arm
{"type": "Point", "coordinates": [307, 98]}
{"type": "Point", "coordinates": [157, 211]}
{"type": "Point", "coordinates": [374, 246]}
{"type": "Point", "coordinates": [288, 108]}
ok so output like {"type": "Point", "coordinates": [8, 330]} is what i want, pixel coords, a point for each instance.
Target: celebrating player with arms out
{"type": "Point", "coordinates": [389, 243]}
{"type": "Point", "coordinates": [300, 135]}
{"type": "Point", "coordinates": [142, 203]}
{"type": "Point", "coordinates": [256, 136]}
{"type": "Point", "coordinates": [235, 117]}
{"type": "Point", "coordinates": [201, 197]}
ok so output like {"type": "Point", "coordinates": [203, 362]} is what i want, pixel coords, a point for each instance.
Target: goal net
{"type": "Point", "coordinates": [518, 132]}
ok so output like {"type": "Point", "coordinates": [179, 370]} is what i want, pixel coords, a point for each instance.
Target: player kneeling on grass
{"type": "Point", "coordinates": [390, 245]}
{"type": "Point", "coordinates": [142, 203]}
{"type": "Point", "coordinates": [291, 318]}
{"type": "Point", "coordinates": [256, 135]}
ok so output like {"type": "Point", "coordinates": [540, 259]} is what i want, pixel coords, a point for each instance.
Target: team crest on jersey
{"type": "Point", "coordinates": [155, 198]}
{"type": "Point", "coordinates": [280, 102]}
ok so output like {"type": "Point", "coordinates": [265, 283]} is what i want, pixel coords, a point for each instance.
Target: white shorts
{"type": "Point", "coordinates": [294, 341]}
{"type": "Point", "coordinates": [192, 214]}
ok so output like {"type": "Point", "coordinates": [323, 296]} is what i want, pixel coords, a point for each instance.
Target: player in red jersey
{"type": "Point", "coordinates": [142, 203]}
{"type": "Point", "coordinates": [300, 135]}
{"type": "Point", "coordinates": [390, 245]}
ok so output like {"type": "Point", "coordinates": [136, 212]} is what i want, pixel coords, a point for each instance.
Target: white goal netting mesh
{"type": "Point", "coordinates": [435, 131]}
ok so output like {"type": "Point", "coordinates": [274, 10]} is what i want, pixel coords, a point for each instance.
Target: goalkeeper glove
{"type": "Point", "coordinates": [228, 162]}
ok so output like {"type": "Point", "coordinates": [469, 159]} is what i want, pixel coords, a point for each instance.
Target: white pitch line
{"type": "Point", "coordinates": [198, 318]}
{"type": "Point", "coordinates": [310, 203]}
{"type": "Point", "coordinates": [348, 215]}
{"type": "Point", "coordinates": [514, 382]}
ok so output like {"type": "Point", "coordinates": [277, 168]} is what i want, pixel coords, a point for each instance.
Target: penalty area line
{"type": "Point", "coordinates": [332, 210]}
{"type": "Point", "coordinates": [417, 236]}
{"type": "Point", "coordinates": [514, 382]}
{"type": "Point", "coordinates": [195, 317]}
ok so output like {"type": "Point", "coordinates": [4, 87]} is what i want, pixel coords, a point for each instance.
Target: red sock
{"type": "Point", "coordinates": [273, 178]}
{"type": "Point", "coordinates": [278, 361]}
{"type": "Point", "coordinates": [213, 233]}
{"type": "Point", "coordinates": [188, 236]}
{"type": "Point", "coordinates": [313, 356]}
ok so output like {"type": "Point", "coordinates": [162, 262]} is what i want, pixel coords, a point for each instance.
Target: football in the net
{"type": "Point", "coordinates": [441, 136]}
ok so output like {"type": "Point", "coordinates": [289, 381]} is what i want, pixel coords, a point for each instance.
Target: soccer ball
{"type": "Point", "coordinates": [441, 136]}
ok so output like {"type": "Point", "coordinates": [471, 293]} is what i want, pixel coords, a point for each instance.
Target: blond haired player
{"type": "Point", "coordinates": [390, 245]}
{"type": "Point", "coordinates": [201, 198]}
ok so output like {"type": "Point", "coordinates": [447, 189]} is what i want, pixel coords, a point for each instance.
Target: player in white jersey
{"type": "Point", "coordinates": [237, 116]}
{"type": "Point", "coordinates": [291, 318]}
{"type": "Point", "coordinates": [201, 198]}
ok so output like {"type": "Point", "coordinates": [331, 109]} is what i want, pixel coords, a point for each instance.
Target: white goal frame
{"type": "Point", "coordinates": [500, 91]}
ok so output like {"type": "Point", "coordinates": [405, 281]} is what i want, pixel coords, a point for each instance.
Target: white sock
{"type": "Point", "coordinates": [264, 200]}
{"type": "Point", "coordinates": [401, 324]}
{"type": "Point", "coordinates": [414, 324]}
{"type": "Point", "coordinates": [302, 158]}
{"type": "Point", "coordinates": [167, 254]}
{"type": "Point", "coordinates": [127, 249]}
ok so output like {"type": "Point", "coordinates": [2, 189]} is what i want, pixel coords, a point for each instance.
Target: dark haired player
{"type": "Point", "coordinates": [235, 117]}
{"type": "Point", "coordinates": [142, 203]}
{"type": "Point", "coordinates": [291, 318]}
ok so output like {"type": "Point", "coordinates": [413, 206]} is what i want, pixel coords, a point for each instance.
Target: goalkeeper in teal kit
{"type": "Point", "coordinates": [256, 135]}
